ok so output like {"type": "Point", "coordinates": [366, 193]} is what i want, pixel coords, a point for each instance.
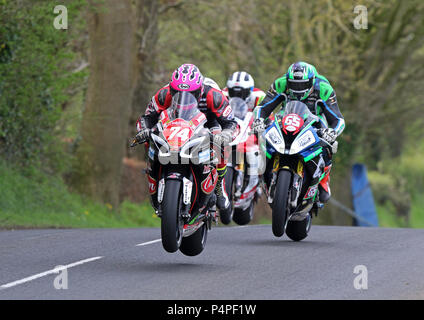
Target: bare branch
{"type": "Point", "coordinates": [175, 5]}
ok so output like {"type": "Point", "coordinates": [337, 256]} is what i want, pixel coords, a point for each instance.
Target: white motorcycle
{"type": "Point", "coordinates": [241, 179]}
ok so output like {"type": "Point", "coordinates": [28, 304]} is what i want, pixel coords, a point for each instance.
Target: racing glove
{"type": "Point", "coordinates": [258, 126]}
{"type": "Point", "coordinates": [142, 136]}
{"type": "Point", "coordinates": [328, 134]}
{"type": "Point", "coordinates": [223, 138]}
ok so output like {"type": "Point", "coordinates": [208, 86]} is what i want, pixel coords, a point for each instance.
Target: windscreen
{"type": "Point", "coordinates": [239, 107]}
{"type": "Point", "coordinates": [183, 106]}
{"type": "Point", "coordinates": [301, 109]}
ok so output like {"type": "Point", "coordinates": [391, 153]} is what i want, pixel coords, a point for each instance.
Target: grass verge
{"type": "Point", "coordinates": [36, 200]}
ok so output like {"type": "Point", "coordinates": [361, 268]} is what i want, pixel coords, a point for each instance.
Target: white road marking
{"type": "Point", "coordinates": [43, 274]}
{"type": "Point", "coordinates": [149, 242]}
{"type": "Point", "coordinates": [158, 240]}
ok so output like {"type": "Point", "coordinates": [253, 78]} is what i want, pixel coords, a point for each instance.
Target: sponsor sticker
{"type": "Point", "coordinates": [208, 185]}
{"type": "Point", "coordinates": [184, 86]}
{"type": "Point", "coordinates": [227, 111]}
{"type": "Point", "coordinates": [311, 192]}
{"type": "Point", "coordinates": [152, 185]}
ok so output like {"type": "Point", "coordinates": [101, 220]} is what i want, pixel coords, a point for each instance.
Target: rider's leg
{"type": "Point", "coordinates": [268, 172]}
{"type": "Point", "coordinates": [152, 173]}
{"type": "Point", "coordinates": [222, 199]}
{"type": "Point", "coordinates": [324, 186]}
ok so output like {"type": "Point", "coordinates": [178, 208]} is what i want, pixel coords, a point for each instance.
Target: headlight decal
{"type": "Point", "coordinates": [275, 139]}
{"type": "Point", "coordinates": [162, 146]}
{"type": "Point", "coordinates": [302, 142]}
{"type": "Point", "coordinates": [195, 143]}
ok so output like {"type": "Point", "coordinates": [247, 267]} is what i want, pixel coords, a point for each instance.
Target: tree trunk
{"type": "Point", "coordinates": [108, 104]}
{"type": "Point", "coordinates": [147, 12]}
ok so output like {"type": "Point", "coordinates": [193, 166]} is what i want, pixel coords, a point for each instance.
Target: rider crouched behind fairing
{"type": "Point", "coordinates": [211, 101]}
{"type": "Point", "coordinates": [303, 83]}
{"type": "Point", "coordinates": [241, 180]}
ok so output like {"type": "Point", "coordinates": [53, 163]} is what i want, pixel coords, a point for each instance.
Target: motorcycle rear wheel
{"type": "Point", "coordinates": [171, 222]}
{"type": "Point", "coordinates": [243, 217]}
{"type": "Point", "coordinates": [279, 204]}
{"type": "Point", "coordinates": [195, 243]}
{"type": "Point", "coordinates": [298, 230]}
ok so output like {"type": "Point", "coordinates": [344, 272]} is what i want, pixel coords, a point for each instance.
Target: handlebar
{"type": "Point", "coordinates": [325, 142]}
{"type": "Point", "coordinates": [135, 142]}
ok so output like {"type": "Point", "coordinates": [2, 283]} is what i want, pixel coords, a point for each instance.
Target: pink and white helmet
{"type": "Point", "coordinates": [187, 78]}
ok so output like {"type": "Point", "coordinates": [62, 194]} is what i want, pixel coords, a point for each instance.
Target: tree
{"type": "Point", "coordinates": [108, 102]}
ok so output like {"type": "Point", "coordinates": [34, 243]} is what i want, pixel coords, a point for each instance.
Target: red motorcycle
{"type": "Point", "coordinates": [187, 176]}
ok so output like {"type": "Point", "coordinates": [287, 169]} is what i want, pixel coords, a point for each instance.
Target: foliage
{"type": "Point", "coordinates": [397, 187]}
{"type": "Point", "coordinates": [36, 64]}
{"type": "Point", "coordinates": [39, 200]}
{"type": "Point", "coordinates": [376, 73]}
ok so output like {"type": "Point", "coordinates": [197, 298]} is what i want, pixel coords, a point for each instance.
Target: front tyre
{"type": "Point", "coordinates": [279, 206]}
{"type": "Point", "coordinates": [195, 243]}
{"type": "Point", "coordinates": [171, 224]}
{"type": "Point", "coordinates": [298, 230]}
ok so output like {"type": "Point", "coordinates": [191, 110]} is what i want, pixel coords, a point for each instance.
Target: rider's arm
{"type": "Point", "coordinates": [274, 97]}
{"type": "Point", "coordinates": [160, 101]}
{"type": "Point", "coordinates": [331, 109]}
{"type": "Point", "coordinates": [259, 96]}
{"type": "Point", "coordinates": [218, 104]}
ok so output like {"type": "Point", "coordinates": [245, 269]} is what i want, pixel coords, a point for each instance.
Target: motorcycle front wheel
{"type": "Point", "coordinates": [279, 204]}
{"type": "Point", "coordinates": [171, 222]}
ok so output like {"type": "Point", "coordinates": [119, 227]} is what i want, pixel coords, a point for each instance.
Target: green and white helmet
{"type": "Point", "coordinates": [300, 80]}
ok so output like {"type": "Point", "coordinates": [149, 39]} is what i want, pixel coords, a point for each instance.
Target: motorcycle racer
{"type": "Point", "coordinates": [241, 87]}
{"type": "Point", "coordinates": [241, 84]}
{"type": "Point", "coordinates": [212, 102]}
{"type": "Point", "coordinates": [303, 83]}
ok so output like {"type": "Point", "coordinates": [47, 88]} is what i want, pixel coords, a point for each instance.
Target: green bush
{"type": "Point", "coordinates": [35, 199]}
{"type": "Point", "coordinates": [397, 187]}
{"type": "Point", "coordinates": [35, 74]}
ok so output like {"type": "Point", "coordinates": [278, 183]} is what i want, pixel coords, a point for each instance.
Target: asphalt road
{"type": "Point", "coordinates": [237, 263]}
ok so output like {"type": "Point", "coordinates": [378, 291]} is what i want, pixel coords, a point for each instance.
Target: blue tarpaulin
{"type": "Point", "coordinates": [363, 200]}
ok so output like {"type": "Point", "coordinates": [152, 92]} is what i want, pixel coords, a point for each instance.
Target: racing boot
{"type": "Point", "coordinates": [152, 178]}
{"type": "Point", "coordinates": [324, 186]}
{"type": "Point", "coordinates": [222, 200]}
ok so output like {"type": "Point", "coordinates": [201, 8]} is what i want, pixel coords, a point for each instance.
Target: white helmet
{"type": "Point", "coordinates": [240, 84]}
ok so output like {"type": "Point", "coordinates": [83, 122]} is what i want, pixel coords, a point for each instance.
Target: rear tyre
{"type": "Point", "coordinates": [194, 244]}
{"type": "Point", "coordinates": [298, 230]}
{"type": "Point", "coordinates": [171, 224]}
{"type": "Point", "coordinates": [227, 215]}
{"type": "Point", "coordinates": [243, 217]}
{"type": "Point", "coordinates": [279, 205]}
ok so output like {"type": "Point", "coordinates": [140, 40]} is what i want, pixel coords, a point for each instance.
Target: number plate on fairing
{"type": "Point", "coordinates": [292, 123]}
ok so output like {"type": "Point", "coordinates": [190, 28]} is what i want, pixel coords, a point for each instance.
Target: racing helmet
{"type": "Point", "coordinates": [240, 84]}
{"type": "Point", "coordinates": [187, 78]}
{"type": "Point", "coordinates": [300, 80]}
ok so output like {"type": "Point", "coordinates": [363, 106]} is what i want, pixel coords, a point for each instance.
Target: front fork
{"type": "Point", "coordinates": [187, 187]}
{"type": "Point", "coordinates": [303, 189]}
